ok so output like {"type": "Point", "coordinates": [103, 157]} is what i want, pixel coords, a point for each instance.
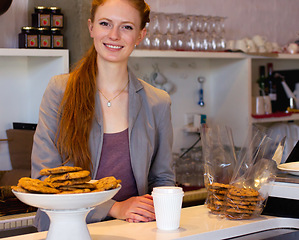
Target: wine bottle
{"type": "Point", "coordinates": [262, 81]}
{"type": "Point", "coordinates": [271, 82]}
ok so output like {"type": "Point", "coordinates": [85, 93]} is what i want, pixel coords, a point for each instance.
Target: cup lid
{"type": "Point", "coordinates": [167, 189]}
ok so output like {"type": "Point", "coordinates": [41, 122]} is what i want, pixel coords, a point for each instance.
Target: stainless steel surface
{"type": "Point", "coordinates": [272, 234]}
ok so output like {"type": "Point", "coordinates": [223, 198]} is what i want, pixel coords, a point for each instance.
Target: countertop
{"type": "Point", "coordinates": [196, 223]}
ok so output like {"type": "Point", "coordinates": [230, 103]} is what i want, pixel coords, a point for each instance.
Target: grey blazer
{"type": "Point", "coordinates": [150, 139]}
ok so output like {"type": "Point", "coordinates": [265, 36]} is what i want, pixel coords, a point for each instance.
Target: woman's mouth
{"type": "Point", "coordinates": [116, 47]}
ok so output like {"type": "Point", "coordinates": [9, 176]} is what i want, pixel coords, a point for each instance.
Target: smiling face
{"type": "Point", "coordinates": [116, 30]}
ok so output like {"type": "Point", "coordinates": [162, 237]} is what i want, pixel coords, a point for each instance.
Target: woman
{"type": "Point", "coordinates": [104, 119]}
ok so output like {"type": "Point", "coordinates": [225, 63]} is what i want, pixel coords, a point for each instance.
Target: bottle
{"type": "Point", "coordinates": [271, 82]}
{"type": "Point", "coordinates": [261, 81]}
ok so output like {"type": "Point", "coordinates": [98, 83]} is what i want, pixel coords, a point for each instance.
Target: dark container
{"type": "Point", "coordinates": [57, 38]}
{"type": "Point", "coordinates": [44, 38]}
{"type": "Point", "coordinates": [41, 17]}
{"type": "Point", "coordinates": [57, 18]}
{"type": "Point", "coordinates": [28, 38]}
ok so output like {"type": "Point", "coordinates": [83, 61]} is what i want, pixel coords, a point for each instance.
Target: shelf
{"type": "Point", "coordinates": [208, 55]}
{"type": "Point", "coordinates": [22, 52]}
{"type": "Point", "coordinates": [293, 117]}
{"type": "Point", "coordinates": [186, 54]}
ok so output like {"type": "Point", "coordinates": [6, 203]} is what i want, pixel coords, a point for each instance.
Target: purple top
{"type": "Point", "coordinates": [116, 161]}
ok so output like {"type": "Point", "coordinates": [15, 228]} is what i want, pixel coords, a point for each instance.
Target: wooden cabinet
{"type": "Point", "coordinates": [24, 75]}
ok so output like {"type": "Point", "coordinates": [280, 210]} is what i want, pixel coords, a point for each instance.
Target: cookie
{"type": "Point", "coordinates": [69, 182]}
{"type": "Point", "coordinates": [237, 216]}
{"type": "Point", "coordinates": [243, 192]}
{"type": "Point", "coordinates": [67, 176]}
{"type": "Point", "coordinates": [244, 198]}
{"type": "Point", "coordinates": [216, 185]}
{"type": "Point", "coordinates": [238, 210]}
{"type": "Point", "coordinates": [36, 185]}
{"type": "Point", "coordinates": [86, 190]}
{"type": "Point", "coordinates": [218, 191]}
{"type": "Point", "coordinates": [107, 183]}
{"type": "Point", "coordinates": [241, 207]}
{"type": "Point", "coordinates": [243, 202]}
{"type": "Point", "coordinates": [57, 170]}
{"type": "Point", "coordinates": [19, 189]}
{"type": "Point", "coordinates": [78, 186]}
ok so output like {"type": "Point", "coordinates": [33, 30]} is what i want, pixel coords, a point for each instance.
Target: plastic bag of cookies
{"type": "Point", "coordinates": [220, 162]}
{"type": "Point", "coordinates": [242, 193]}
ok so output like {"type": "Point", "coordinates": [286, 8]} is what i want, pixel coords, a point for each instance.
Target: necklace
{"type": "Point", "coordinates": [109, 100]}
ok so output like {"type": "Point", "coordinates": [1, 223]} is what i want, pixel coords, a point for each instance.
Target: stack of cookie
{"type": "Point", "coordinates": [216, 196]}
{"type": "Point", "coordinates": [234, 202]}
{"type": "Point", "coordinates": [68, 179]}
{"type": "Point", "coordinates": [65, 180]}
{"type": "Point", "coordinates": [243, 203]}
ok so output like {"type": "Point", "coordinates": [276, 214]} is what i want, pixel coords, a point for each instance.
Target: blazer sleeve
{"type": "Point", "coordinates": [161, 171]}
{"type": "Point", "coordinates": [44, 151]}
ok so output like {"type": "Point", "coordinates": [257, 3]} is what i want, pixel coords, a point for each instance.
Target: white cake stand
{"type": "Point", "coordinates": [67, 212]}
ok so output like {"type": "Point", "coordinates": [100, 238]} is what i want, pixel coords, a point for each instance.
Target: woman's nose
{"type": "Point", "coordinates": [114, 33]}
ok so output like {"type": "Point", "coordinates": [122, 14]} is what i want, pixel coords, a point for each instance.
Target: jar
{"type": "Point", "coordinates": [44, 37]}
{"type": "Point", "coordinates": [56, 38]}
{"type": "Point", "coordinates": [28, 38]}
{"type": "Point", "coordinates": [41, 17]}
{"type": "Point", "coordinates": [57, 18]}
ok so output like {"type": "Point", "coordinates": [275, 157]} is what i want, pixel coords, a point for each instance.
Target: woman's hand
{"type": "Point", "coordinates": [134, 209]}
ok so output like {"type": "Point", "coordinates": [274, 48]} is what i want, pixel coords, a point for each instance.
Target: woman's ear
{"type": "Point", "coordinates": [90, 27]}
{"type": "Point", "coordinates": [141, 36]}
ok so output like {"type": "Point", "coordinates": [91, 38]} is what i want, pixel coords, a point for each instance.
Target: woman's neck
{"type": "Point", "coordinates": [112, 77]}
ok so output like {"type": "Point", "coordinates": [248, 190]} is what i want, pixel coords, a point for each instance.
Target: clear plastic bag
{"type": "Point", "coordinates": [220, 162]}
{"type": "Point", "coordinates": [240, 193]}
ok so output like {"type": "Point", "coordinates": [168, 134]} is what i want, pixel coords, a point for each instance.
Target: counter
{"type": "Point", "coordinates": [196, 222]}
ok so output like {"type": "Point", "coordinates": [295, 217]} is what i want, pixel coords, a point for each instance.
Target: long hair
{"type": "Point", "coordinates": [77, 107]}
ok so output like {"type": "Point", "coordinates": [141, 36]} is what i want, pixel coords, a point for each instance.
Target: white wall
{"type": "Point", "coordinates": [276, 19]}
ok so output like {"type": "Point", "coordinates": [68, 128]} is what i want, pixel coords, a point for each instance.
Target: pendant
{"type": "Point", "coordinates": [109, 104]}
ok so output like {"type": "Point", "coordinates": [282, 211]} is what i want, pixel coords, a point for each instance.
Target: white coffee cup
{"type": "Point", "coordinates": [292, 48]}
{"type": "Point", "coordinates": [168, 204]}
{"type": "Point", "coordinates": [259, 105]}
{"type": "Point", "coordinates": [251, 46]}
{"type": "Point", "coordinates": [262, 49]}
{"type": "Point", "coordinates": [276, 47]}
{"type": "Point", "coordinates": [241, 45]}
{"type": "Point", "coordinates": [267, 104]}
{"type": "Point", "coordinates": [268, 46]}
{"type": "Point", "coordinates": [259, 40]}
{"type": "Point", "coordinates": [230, 44]}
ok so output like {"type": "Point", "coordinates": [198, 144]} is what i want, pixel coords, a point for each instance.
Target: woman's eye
{"type": "Point", "coordinates": [128, 27]}
{"type": "Point", "coordinates": [104, 23]}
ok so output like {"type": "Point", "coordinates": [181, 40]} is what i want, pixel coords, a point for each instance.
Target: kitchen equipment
{"type": "Point", "coordinates": [291, 78]}
{"type": "Point", "coordinates": [67, 212]}
{"type": "Point", "coordinates": [200, 91]}
{"type": "Point", "coordinates": [289, 93]}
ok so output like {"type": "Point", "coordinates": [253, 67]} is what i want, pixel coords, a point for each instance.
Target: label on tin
{"type": "Point", "coordinates": [58, 41]}
{"type": "Point", "coordinates": [57, 21]}
{"type": "Point", "coordinates": [45, 41]}
{"type": "Point", "coordinates": [32, 41]}
{"type": "Point", "coordinates": [45, 20]}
